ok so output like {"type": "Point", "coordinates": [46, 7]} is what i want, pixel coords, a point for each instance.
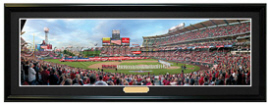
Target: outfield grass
{"type": "Point", "coordinates": [140, 63]}
{"type": "Point", "coordinates": [85, 65]}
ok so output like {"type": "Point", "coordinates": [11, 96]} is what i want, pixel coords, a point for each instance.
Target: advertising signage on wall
{"type": "Point", "coordinates": [106, 40]}
{"type": "Point", "coordinates": [125, 40]}
{"type": "Point", "coordinates": [116, 42]}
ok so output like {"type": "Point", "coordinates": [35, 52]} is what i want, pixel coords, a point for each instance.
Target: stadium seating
{"type": "Point", "coordinates": [224, 63]}
{"type": "Point", "coordinates": [218, 67]}
{"type": "Point", "coordinates": [212, 32]}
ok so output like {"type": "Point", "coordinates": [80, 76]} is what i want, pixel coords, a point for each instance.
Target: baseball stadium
{"type": "Point", "coordinates": [210, 52]}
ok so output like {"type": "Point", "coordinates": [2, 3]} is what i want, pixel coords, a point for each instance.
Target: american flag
{"type": "Point", "coordinates": [44, 47]}
{"type": "Point", "coordinates": [116, 42]}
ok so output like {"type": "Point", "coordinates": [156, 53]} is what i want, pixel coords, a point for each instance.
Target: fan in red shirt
{"type": "Point", "coordinates": [201, 80]}
{"type": "Point", "coordinates": [148, 82]}
{"type": "Point", "coordinates": [72, 75]}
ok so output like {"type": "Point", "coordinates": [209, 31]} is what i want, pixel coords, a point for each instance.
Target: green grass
{"type": "Point", "coordinates": [84, 65]}
{"type": "Point", "coordinates": [140, 63]}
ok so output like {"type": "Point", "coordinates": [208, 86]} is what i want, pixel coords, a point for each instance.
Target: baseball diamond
{"type": "Point", "coordinates": [136, 52]}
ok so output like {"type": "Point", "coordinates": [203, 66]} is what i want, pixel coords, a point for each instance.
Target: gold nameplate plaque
{"type": "Point", "coordinates": [132, 89]}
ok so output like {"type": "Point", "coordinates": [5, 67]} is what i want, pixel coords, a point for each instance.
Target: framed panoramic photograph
{"type": "Point", "coordinates": [126, 52]}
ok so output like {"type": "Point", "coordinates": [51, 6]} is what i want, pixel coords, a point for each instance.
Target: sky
{"type": "Point", "coordinates": [88, 32]}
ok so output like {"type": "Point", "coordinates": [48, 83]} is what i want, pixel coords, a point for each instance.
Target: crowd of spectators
{"type": "Point", "coordinates": [39, 53]}
{"type": "Point", "coordinates": [116, 50]}
{"type": "Point", "coordinates": [228, 70]}
{"type": "Point", "coordinates": [128, 50]}
{"type": "Point", "coordinates": [205, 33]}
{"type": "Point", "coordinates": [222, 60]}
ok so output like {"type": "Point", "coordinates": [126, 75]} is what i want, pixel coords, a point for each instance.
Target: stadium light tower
{"type": "Point", "coordinates": [46, 30]}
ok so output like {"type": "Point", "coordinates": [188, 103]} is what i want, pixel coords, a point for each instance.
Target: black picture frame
{"type": "Point", "coordinates": [14, 93]}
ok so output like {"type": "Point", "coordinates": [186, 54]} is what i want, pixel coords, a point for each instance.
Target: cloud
{"type": "Point", "coordinates": [51, 20]}
{"type": "Point", "coordinates": [87, 32]}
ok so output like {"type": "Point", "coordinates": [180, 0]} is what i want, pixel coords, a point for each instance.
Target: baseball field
{"type": "Point", "coordinates": [175, 67]}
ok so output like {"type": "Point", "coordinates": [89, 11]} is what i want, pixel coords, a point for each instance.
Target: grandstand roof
{"type": "Point", "coordinates": [204, 24]}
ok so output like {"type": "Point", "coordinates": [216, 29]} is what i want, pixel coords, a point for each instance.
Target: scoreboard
{"type": "Point", "coordinates": [125, 41]}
